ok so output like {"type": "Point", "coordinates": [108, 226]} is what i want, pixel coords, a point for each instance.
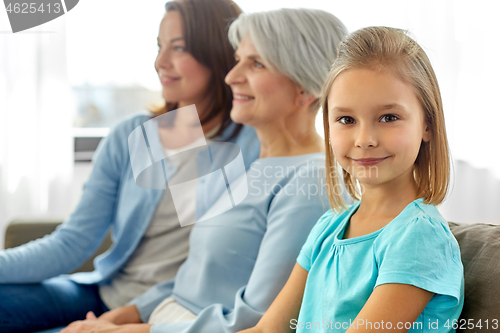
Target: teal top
{"type": "Point", "coordinates": [415, 248]}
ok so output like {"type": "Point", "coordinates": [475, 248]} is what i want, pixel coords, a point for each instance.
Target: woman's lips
{"type": "Point", "coordinates": [369, 161]}
{"type": "Point", "coordinates": [166, 80]}
{"type": "Point", "coordinates": [240, 98]}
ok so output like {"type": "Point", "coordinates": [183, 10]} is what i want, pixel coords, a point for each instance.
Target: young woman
{"type": "Point", "coordinates": [238, 261]}
{"type": "Point", "coordinates": [388, 262]}
{"type": "Point", "coordinates": [149, 244]}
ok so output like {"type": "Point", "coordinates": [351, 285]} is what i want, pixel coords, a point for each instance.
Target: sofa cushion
{"type": "Point", "coordinates": [480, 251]}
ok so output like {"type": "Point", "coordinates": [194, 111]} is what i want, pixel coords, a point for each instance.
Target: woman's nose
{"type": "Point", "coordinates": [235, 75]}
{"type": "Point", "coordinates": [163, 60]}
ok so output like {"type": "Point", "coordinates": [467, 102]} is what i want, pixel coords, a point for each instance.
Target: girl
{"type": "Point", "coordinates": [388, 262]}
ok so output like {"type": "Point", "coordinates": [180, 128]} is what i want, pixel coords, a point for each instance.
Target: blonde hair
{"type": "Point", "coordinates": [392, 50]}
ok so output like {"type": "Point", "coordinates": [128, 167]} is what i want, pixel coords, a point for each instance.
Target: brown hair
{"type": "Point", "coordinates": [392, 50]}
{"type": "Point", "coordinates": [206, 24]}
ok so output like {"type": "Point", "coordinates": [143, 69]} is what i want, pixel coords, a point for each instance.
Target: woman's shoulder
{"type": "Point", "coordinates": [128, 124]}
{"type": "Point", "coordinates": [303, 174]}
{"type": "Point", "coordinates": [309, 166]}
{"type": "Point", "coordinates": [116, 142]}
{"type": "Point", "coordinates": [292, 166]}
{"type": "Point", "coordinates": [246, 133]}
{"type": "Point", "coordinates": [311, 162]}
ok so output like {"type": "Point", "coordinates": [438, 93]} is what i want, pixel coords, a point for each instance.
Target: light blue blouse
{"type": "Point", "coordinates": [110, 199]}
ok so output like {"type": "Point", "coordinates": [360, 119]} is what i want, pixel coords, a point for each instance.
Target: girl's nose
{"type": "Point", "coordinates": [366, 137]}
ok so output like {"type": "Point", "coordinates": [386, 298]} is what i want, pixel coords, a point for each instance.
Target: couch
{"type": "Point", "coordinates": [480, 251]}
{"type": "Point", "coordinates": [22, 231]}
{"type": "Point", "coordinates": [479, 246]}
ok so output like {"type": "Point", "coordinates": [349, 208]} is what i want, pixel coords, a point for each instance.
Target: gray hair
{"type": "Point", "coordinates": [299, 43]}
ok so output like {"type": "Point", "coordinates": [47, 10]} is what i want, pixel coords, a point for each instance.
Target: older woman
{"type": "Point", "coordinates": [239, 261]}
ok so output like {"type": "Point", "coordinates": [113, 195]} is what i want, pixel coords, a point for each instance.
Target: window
{"type": "Point", "coordinates": [111, 56]}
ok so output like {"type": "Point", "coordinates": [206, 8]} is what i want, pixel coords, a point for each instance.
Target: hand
{"type": "Point", "coordinates": [123, 315]}
{"type": "Point", "coordinates": [91, 316]}
{"type": "Point", "coordinates": [91, 325]}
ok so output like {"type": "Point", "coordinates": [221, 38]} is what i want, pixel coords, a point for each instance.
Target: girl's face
{"type": "Point", "coordinates": [184, 79]}
{"type": "Point", "coordinates": [376, 126]}
{"type": "Point", "coordinates": [259, 96]}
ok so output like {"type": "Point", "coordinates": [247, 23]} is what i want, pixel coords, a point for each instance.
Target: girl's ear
{"type": "Point", "coordinates": [427, 134]}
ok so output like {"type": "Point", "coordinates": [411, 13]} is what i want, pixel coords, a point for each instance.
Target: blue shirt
{"type": "Point", "coordinates": [110, 199]}
{"type": "Point", "coordinates": [416, 248]}
{"type": "Point", "coordinates": [239, 261]}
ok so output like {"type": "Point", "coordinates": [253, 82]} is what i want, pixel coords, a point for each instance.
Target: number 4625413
{"type": "Point", "coordinates": [471, 324]}
{"type": "Point", "coordinates": [26, 8]}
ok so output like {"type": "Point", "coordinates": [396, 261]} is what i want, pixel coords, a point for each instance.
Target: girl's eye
{"type": "Point", "coordinates": [387, 118]}
{"type": "Point", "coordinates": [346, 120]}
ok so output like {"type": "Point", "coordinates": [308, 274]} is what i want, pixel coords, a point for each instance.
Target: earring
{"type": "Point", "coordinates": [301, 103]}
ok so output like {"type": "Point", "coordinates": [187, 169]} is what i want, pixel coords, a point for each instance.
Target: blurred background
{"type": "Point", "coordinates": [64, 83]}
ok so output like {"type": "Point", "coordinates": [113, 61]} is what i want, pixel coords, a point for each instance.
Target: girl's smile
{"type": "Point", "coordinates": [376, 121]}
{"type": "Point", "coordinates": [369, 161]}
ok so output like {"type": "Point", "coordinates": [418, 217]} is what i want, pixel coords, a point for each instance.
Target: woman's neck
{"type": "Point", "coordinates": [203, 108]}
{"type": "Point", "coordinates": [289, 137]}
{"type": "Point", "coordinates": [183, 133]}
